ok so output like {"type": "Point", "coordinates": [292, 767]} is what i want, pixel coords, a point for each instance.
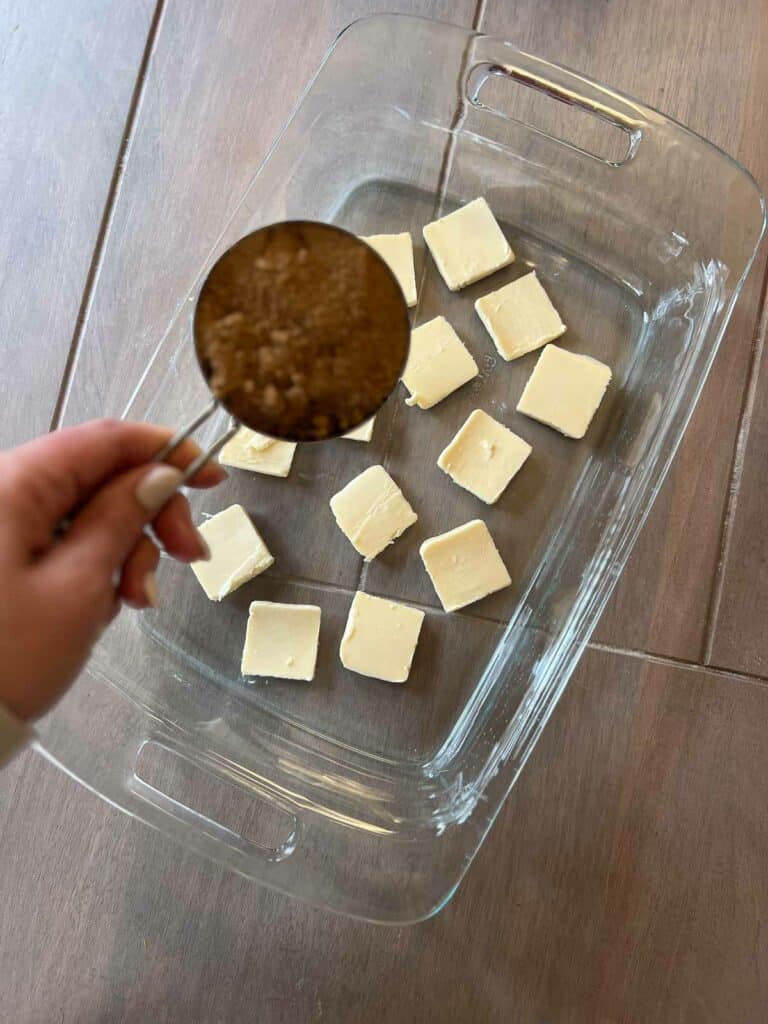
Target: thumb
{"type": "Point", "coordinates": [106, 530]}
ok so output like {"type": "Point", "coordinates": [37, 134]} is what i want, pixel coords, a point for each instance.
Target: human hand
{"type": "Point", "coordinates": [58, 595]}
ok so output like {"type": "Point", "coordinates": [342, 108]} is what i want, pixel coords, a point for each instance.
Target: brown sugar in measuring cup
{"type": "Point", "coordinates": [301, 331]}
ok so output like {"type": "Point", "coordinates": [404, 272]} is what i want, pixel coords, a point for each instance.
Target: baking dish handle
{"type": "Point", "coordinates": [162, 805]}
{"type": "Point", "coordinates": [490, 58]}
{"type": "Point", "coordinates": [318, 856]}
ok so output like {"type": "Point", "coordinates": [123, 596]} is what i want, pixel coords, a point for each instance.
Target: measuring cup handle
{"type": "Point", "coordinates": [181, 435]}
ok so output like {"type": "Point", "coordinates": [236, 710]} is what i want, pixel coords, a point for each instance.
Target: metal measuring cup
{"type": "Point", "coordinates": [301, 332]}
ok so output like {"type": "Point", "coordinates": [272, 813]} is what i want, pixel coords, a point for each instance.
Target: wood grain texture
{"type": "Point", "coordinates": [740, 628]}
{"type": "Point", "coordinates": [675, 60]}
{"type": "Point", "coordinates": [67, 73]}
{"type": "Point", "coordinates": [625, 881]}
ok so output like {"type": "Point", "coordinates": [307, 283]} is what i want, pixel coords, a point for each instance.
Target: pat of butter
{"type": "Point", "coordinates": [484, 456]}
{"type": "Point", "coordinates": [281, 640]}
{"type": "Point", "coordinates": [237, 553]}
{"type": "Point", "coordinates": [520, 317]}
{"type": "Point", "coordinates": [464, 565]}
{"type": "Point", "coordinates": [565, 390]}
{"type": "Point", "coordinates": [372, 512]}
{"type": "Point", "coordinates": [438, 363]}
{"type": "Point", "coordinates": [467, 244]}
{"type": "Point", "coordinates": [380, 638]}
{"type": "Point", "coordinates": [397, 253]}
{"type": "Point", "coordinates": [258, 453]}
{"type": "Point", "coordinates": [362, 433]}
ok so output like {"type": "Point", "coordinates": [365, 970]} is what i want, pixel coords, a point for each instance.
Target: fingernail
{"type": "Point", "coordinates": [204, 547]}
{"type": "Point", "coordinates": [150, 589]}
{"type": "Point", "coordinates": [160, 484]}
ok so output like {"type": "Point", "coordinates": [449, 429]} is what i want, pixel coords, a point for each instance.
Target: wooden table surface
{"type": "Point", "coordinates": [626, 879]}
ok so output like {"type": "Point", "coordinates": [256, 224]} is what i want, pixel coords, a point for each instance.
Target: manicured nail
{"type": "Point", "coordinates": [204, 547]}
{"type": "Point", "coordinates": [160, 484]}
{"type": "Point", "coordinates": [150, 589]}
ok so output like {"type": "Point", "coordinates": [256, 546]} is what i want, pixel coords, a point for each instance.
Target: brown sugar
{"type": "Point", "coordinates": [301, 331]}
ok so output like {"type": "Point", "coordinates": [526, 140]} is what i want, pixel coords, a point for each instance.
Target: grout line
{"type": "Point", "coordinates": [737, 467]}
{"type": "Point", "coordinates": [106, 217]}
{"type": "Point", "coordinates": [682, 663]}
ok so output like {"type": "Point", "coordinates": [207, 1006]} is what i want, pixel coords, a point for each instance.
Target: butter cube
{"type": "Point", "coordinates": [362, 433]}
{"type": "Point", "coordinates": [520, 317]}
{"type": "Point", "coordinates": [484, 456]}
{"type": "Point", "coordinates": [258, 453]}
{"type": "Point", "coordinates": [372, 512]}
{"type": "Point", "coordinates": [397, 253]}
{"type": "Point", "coordinates": [464, 565]}
{"type": "Point", "coordinates": [438, 363]}
{"type": "Point", "coordinates": [467, 244]}
{"type": "Point", "coordinates": [281, 640]}
{"type": "Point", "coordinates": [565, 390]}
{"type": "Point", "coordinates": [237, 553]}
{"type": "Point", "coordinates": [380, 638]}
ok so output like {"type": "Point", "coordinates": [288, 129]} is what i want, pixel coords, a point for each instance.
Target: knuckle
{"type": "Point", "coordinates": [109, 425]}
{"type": "Point", "coordinates": [108, 433]}
{"type": "Point", "coordinates": [111, 430]}
{"type": "Point", "coordinates": [25, 498]}
{"type": "Point", "coordinates": [11, 480]}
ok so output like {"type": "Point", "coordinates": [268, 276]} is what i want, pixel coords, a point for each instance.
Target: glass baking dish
{"type": "Point", "coordinates": [384, 793]}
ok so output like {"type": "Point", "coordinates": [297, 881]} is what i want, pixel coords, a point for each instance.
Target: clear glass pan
{"type": "Point", "coordinates": [384, 793]}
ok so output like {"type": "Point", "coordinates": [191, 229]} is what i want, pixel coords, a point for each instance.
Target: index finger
{"type": "Point", "coordinates": [63, 469]}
